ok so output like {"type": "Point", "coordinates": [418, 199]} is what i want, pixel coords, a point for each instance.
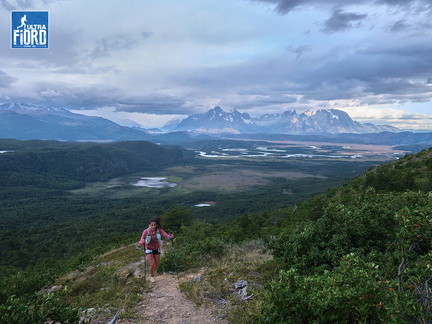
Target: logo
{"type": "Point", "coordinates": [29, 29]}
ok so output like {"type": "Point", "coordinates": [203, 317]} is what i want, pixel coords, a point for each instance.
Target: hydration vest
{"type": "Point", "coordinates": [148, 236]}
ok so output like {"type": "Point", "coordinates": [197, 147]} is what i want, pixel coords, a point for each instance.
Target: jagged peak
{"type": "Point", "coordinates": [217, 110]}
{"type": "Point", "coordinates": [289, 112]}
{"type": "Point", "coordinates": [312, 112]}
{"type": "Point", "coordinates": [311, 122]}
{"type": "Point", "coordinates": [309, 113]}
{"type": "Point", "coordinates": [22, 106]}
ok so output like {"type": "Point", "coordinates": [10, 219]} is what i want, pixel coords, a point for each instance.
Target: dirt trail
{"type": "Point", "coordinates": [166, 304]}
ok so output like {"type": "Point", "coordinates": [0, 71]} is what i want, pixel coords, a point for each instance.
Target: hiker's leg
{"type": "Point", "coordinates": [151, 260]}
{"type": "Point", "coordinates": [157, 258]}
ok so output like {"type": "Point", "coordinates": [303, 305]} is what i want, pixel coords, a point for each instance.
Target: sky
{"type": "Point", "coordinates": [145, 62]}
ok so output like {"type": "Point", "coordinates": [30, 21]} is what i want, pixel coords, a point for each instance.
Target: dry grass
{"type": "Point", "coordinates": [215, 284]}
{"type": "Point", "coordinates": [113, 282]}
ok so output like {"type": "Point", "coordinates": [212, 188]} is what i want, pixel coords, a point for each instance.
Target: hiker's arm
{"type": "Point", "coordinates": [142, 240]}
{"type": "Point", "coordinates": [168, 237]}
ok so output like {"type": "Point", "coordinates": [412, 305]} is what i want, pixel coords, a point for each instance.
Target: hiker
{"type": "Point", "coordinates": [151, 238]}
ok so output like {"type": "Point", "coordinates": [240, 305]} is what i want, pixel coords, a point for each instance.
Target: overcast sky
{"type": "Point", "coordinates": [154, 60]}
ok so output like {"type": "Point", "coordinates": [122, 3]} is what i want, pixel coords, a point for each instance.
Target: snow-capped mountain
{"type": "Point", "coordinates": [24, 108]}
{"type": "Point", "coordinates": [25, 121]}
{"type": "Point", "coordinates": [217, 121]}
{"type": "Point", "coordinates": [322, 121]}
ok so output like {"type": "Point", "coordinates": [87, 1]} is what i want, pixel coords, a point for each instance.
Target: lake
{"type": "Point", "coordinates": [153, 182]}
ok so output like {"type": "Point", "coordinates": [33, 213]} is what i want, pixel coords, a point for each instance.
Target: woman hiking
{"type": "Point", "coordinates": [151, 238]}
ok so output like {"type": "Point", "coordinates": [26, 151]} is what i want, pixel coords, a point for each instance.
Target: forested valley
{"type": "Point", "coordinates": [344, 249]}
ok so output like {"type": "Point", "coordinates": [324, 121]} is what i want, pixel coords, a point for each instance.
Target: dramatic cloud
{"type": "Point", "coordinates": [152, 104]}
{"type": "Point", "coordinates": [27, 4]}
{"type": "Point", "coordinates": [285, 6]}
{"type": "Point", "coordinates": [398, 118]}
{"type": "Point", "coordinates": [299, 51]}
{"type": "Point", "coordinates": [151, 60]}
{"type": "Point", "coordinates": [400, 25]}
{"type": "Point", "coordinates": [20, 4]}
{"type": "Point", "coordinates": [63, 94]}
{"type": "Point", "coordinates": [340, 21]}
{"type": "Point", "coordinates": [106, 45]}
{"type": "Point", "coordinates": [6, 80]}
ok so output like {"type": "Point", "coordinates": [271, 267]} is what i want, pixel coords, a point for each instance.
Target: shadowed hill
{"type": "Point", "coordinates": [362, 252]}
{"type": "Point", "coordinates": [58, 164]}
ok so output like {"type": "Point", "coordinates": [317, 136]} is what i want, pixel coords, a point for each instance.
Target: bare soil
{"type": "Point", "coordinates": [167, 304]}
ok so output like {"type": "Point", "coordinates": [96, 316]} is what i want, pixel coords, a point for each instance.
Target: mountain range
{"type": "Point", "coordinates": [24, 121]}
{"type": "Point", "coordinates": [322, 121]}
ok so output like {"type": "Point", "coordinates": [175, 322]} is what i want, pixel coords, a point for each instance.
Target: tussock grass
{"type": "Point", "coordinates": [114, 282]}
{"type": "Point", "coordinates": [214, 286]}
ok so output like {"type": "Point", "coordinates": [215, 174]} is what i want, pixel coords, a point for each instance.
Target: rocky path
{"type": "Point", "coordinates": [166, 304]}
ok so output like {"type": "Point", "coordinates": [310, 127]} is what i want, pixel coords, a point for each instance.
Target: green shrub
{"type": "Point", "coordinates": [40, 309]}
{"type": "Point", "coordinates": [351, 293]}
{"type": "Point", "coordinates": [318, 245]}
{"type": "Point", "coordinates": [383, 277]}
{"type": "Point", "coordinates": [185, 255]}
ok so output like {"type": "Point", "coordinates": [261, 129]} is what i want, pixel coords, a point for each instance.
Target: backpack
{"type": "Point", "coordinates": [148, 236]}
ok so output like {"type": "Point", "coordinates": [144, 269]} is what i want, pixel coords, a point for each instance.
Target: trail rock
{"type": "Point", "coordinates": [241, 290]}
{"type": "Point", "coordinates": [240, 284]}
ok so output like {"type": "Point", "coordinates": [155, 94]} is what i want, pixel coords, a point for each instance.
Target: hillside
{"type": "Point", "coordinates": [61, 165]}
{"type": "Point", "coordinates": [366, 251]}
{"type": "Point", "coordinates": [363, 255]}
{"type": "Point", "coordinates": [38, 210]}
{"type": "Point", "coordinates": [26, 122]}
{"type": "Point", "coordinates": [411, 173]}
{"type": "Point", "coordinates": [128, 295]}
{"type": "Point", "coordinates": [362, 251]}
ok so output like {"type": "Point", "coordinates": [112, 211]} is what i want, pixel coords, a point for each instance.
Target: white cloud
{"type": "Point", "coordinates": [130, 118]}
{"type": "Point", "coordinates": [181, 57]}
{"type": "Point", "coordinates": [391, 116]}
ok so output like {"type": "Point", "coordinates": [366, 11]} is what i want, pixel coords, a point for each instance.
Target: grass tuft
{"type": "Point", "coordinates": [113, 283]}
{"type": "Point", "coordinates": [214, 286]}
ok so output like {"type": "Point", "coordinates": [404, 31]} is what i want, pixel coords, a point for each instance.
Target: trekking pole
{"type": "Point", "coordinates": [175, 259]}
{"type": "Point", "coordinates": [114, 320]}
{"type": "Point", "coordinates": [145, 264]}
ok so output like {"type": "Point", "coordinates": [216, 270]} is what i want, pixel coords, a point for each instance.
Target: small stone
{"type": "Point", "coordinates": [222, 301]}
{"type": "Point", "coordinates": [240, 284]}
{"type": "Point", "coordinates": [54, 288]}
